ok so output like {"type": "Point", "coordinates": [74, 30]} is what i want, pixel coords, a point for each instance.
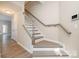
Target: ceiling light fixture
{"type": "Point", "coordinates": [8, 12]}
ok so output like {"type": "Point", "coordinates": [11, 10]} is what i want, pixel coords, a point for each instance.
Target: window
{"type": "Point", "coordinates": [4, 28]}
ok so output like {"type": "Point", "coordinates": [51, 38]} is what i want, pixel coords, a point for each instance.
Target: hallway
{"type": "Point", "coordinates": [9, 48]}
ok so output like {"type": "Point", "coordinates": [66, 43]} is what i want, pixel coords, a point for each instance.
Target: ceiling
{"type": "Point", "coordinates": [12, 6]}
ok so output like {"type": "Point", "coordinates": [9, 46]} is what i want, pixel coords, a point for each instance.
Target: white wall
{"type": "Point", "coordinates": [46, 11]}
{"type": "Point", "coordinates": [67, 9]}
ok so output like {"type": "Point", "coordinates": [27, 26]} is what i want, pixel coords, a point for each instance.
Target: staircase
{"type": "Point", "coordinates": [34, 32]}
{"type": "Point", "coordinates": [48, 49]}
{"type": "Point", "coordinates": [42, 47]}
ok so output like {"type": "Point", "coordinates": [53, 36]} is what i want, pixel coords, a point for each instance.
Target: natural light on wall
{"type": "Point", "coordinates": [7, 11]}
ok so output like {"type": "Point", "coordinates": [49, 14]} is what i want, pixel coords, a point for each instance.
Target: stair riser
{"type": "Point", "coordinates": [43, 53]}
{"type": "Point", "coordinates": [36, 33]}
{"type": "Point", "coordinates": [33, 30]}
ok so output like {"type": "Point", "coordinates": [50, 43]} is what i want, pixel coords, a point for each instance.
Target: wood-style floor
{"type": "Point", "coordinates": [10, 49]}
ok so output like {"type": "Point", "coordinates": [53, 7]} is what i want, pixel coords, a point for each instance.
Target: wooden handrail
{"type": "Point", "coordinates": [26, 30]}
{"type": "Point", "coordinates": [50, 25]}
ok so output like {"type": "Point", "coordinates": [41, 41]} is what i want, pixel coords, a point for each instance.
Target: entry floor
{"type": "Point", "coordinates": [10, 49]}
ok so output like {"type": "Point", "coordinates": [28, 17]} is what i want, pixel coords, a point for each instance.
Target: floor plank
{"type": "Point", "coordinates": [10, 49]}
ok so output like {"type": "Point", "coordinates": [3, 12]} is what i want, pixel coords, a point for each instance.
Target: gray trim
{"type": "Point", "coordinates": [50, 25]}
{"type": "Point", "coordinates": [64, 29]}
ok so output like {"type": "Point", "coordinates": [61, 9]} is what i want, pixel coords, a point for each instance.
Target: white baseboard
{"type": "Point", "coordinates": [24, 47]}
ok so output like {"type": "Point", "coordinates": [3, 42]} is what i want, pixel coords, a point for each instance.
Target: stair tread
{"type": "Point", "coordinates": [47, 44]}
{"type": "Point", "coordinates": [37, 37]}
{"type": "Point", "coordinates": [40, 53]}
{"type": "Point", "coordinates": [36, 33]}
